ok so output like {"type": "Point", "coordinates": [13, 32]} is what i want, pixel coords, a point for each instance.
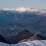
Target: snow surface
{"type": "Point", "coordinates": [32, 43]}
{"type": "Point", "coordinates": [23, 9]}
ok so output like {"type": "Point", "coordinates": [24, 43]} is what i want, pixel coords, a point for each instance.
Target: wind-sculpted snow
{"type": "Point", "coordinates": [32, 43]}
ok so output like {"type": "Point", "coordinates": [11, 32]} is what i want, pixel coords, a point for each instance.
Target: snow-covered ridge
{"type": "Point", "coordinates": [29, 43]}
{"type": "Point", "coordinates": [26, 9]}
{"type": "Point", "coordinates": [23, 9]}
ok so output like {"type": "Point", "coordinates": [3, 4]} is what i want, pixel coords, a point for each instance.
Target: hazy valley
{"type": "Point", "coordinates": [13, 22]}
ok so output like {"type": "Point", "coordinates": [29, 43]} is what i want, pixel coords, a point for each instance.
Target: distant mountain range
{"type": "Point", "coordinates": [13, 21]}
{"type": "Point", "coordinates": [24, 9]}
{"type": "Point", "coordinates": [23, 36]}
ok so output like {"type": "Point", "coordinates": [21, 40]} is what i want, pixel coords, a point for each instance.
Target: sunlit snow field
{"type": "Point", "coordinates": [32, 43]}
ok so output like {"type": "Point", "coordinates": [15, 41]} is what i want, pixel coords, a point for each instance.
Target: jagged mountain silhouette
{"type": "Point", "coordinates": [25, 35]}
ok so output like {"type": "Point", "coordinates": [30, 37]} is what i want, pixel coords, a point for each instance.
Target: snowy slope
{"type": "Point", "coordinates": [32, 43]}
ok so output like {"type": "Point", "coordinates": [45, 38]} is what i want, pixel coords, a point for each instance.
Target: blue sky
{"type": "Point", "coordinates": [40, 4]}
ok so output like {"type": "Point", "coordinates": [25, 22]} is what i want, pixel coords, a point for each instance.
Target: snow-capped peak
{"type": "Point", "coordinates": [23, 9]}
